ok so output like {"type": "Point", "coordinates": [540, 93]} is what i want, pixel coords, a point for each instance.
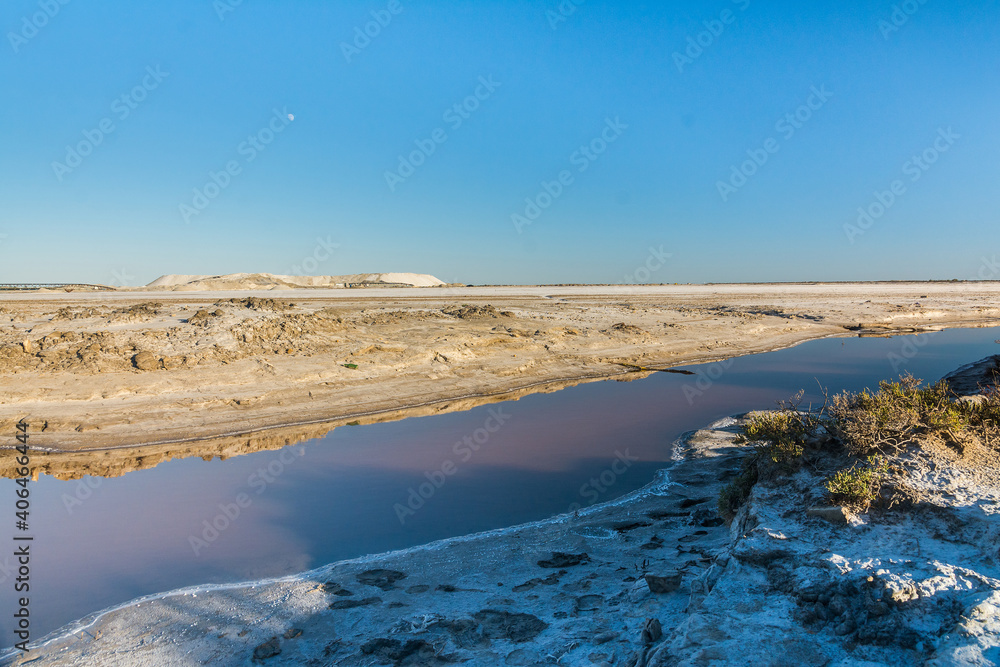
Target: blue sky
{"type": "Point", "coordinates": [664, 120]}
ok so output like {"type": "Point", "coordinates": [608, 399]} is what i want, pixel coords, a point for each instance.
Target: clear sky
{"type": "Point", "coordinates": [738, 137]}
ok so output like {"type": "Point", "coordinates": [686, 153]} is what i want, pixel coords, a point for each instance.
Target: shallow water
{"type": "Point", "coordinates": [367, 489]}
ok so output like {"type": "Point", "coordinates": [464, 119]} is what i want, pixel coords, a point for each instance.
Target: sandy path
{"type": "Point", "coordinates": [208, 373]}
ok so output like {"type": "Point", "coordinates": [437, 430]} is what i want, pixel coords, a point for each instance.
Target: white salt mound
{"type": "Point", "coordinates": [173, 280]}
{"type": "Point", "coordinates": [263, 281]}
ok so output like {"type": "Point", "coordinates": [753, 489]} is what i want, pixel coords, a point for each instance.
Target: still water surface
{"type": "Point", "coordinates": [342, 495]}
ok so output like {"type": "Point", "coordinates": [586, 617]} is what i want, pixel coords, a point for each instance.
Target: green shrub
{"type": "Point", "coordinates": [869, 425]}
{"type": "Point", "coordinates": [777, 437]}
{"type": "Point", "coordinates": [859, 485]}
{"type": "Point", "coordinates": [733, 495]}
{"type": "Point", "coordinates": [778, 440]}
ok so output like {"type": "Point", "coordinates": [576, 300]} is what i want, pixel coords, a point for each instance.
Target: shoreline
{"type": "Point", "coordinates": [67, 464]}
{"type": "Point", "coordinates": [658, 486]}
{"type": "Point", "coordinates": [407, 411]}
{"type": "Point", "coordinates": [70, 464]}
{"type": "Point", "coordinates": [714, 602]}
{"type": "Point", "coordinates": [92, 374]}
{"type": "Point", "coordinates": [83, 624]}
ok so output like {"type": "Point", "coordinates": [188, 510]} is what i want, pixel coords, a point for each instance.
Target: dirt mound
{"type": "Point", "coordinates": [138, 312]}
{"type": "Point", "coordinates": [204, 318]}
{"type": "Point", "coordinates": [77, 313]}
{"type": "Point", "coordinates": [393, 317]}
{"type": "Point", "coordinates": [71, 351]}
{"type": "Point", "coordinates": [255, 303]}
{"type": "Point", "coordinates": [629, 329]}
{"type": "Point", "coordinates": [466, 312]}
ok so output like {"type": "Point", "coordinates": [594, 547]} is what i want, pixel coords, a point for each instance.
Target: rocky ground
{"type": "Point", "coordinates": [170, 374]}
{"type": "Point", "coordinates": [656, 578]}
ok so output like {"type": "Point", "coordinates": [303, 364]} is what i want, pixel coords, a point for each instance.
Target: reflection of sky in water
{"type": "Point", "coordinates": [131, 536]}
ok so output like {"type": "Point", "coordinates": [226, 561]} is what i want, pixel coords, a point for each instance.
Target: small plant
{"type": "Point", "coordinates": [870, 426]}
{"type": "Point", "coordinates": [777, 436]}
{"type": "Point", "coordinates": [859, 485]}
{"type": "Point", "coordinates": [733, 495]}
{"type": "Point", "coordinates": [779, 440]}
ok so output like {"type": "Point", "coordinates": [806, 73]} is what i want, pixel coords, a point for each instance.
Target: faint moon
{"type": "Point", "coordinates": [291, 117]}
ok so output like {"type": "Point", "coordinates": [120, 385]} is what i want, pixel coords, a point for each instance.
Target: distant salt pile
{"type": "Point", "coordinates": [268, 281]}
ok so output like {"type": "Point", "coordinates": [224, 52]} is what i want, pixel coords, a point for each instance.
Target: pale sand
{"type": "Point", "coordinates": [234, 378]}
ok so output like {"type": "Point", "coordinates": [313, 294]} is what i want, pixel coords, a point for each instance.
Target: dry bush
{"type": "Point", "coordinates": [870, 426]}
{"type": "Point", "coordinates": [885, 420]}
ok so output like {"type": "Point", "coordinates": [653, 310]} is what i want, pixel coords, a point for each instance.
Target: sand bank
{"type": "Point", "coordinates": [159, 371]}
